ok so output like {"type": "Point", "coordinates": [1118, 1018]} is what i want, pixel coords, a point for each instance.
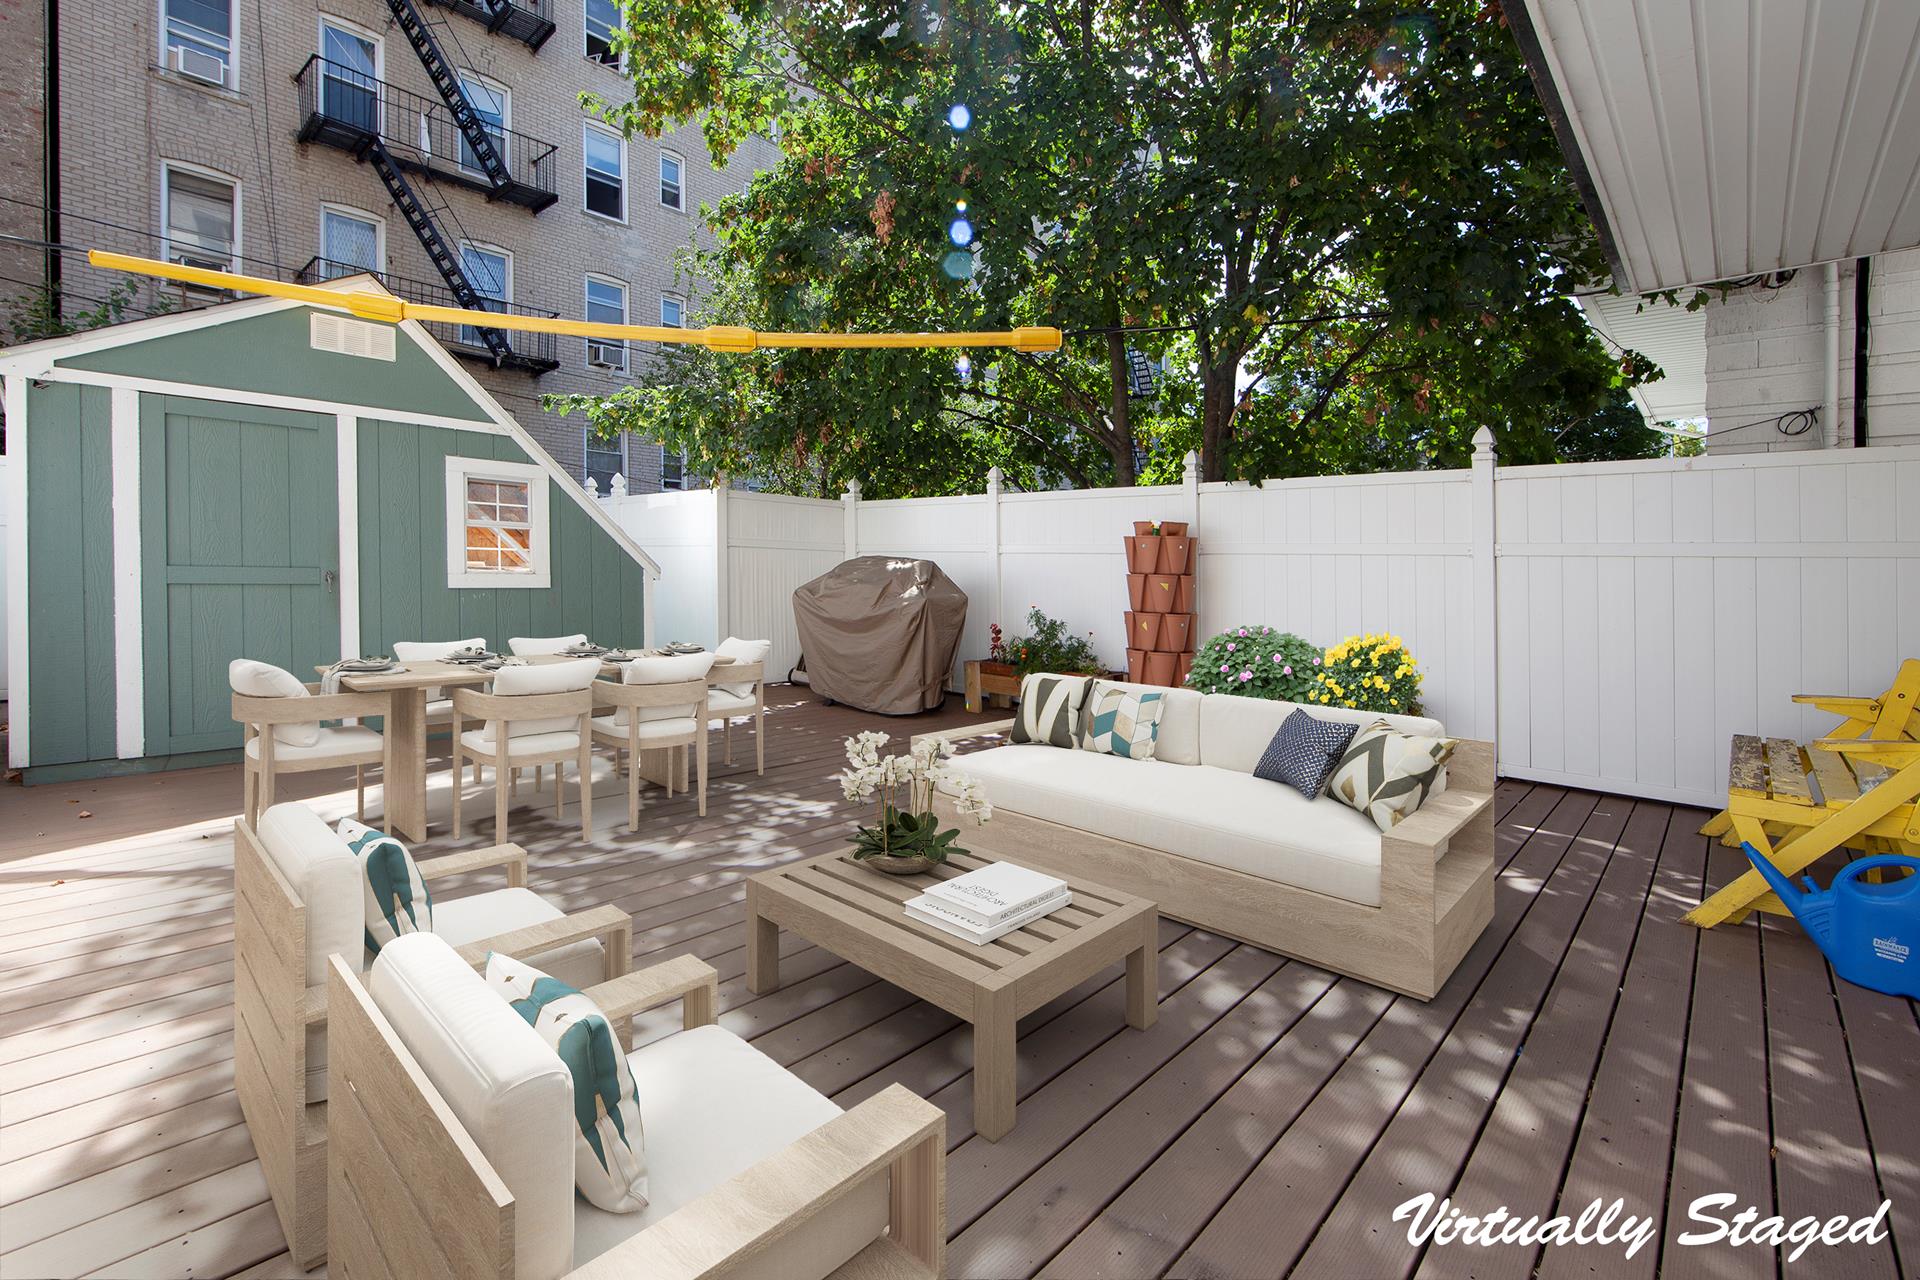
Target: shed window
{"type": "Point", "coordinates": [496, 524]}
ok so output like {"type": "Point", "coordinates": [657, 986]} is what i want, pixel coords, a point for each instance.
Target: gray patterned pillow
{"type": "Point", "coordinates": [1388, 775]}
{"type": "Point", "coordinates": [1303, 753]}
{"type": "Point", "coordinates": [1050, 710]}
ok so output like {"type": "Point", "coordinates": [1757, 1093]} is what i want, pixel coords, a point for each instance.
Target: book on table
{"type": "Point", "coordinates": [993, 894]}
{"type": "Point", "coordinates": [935, 913]}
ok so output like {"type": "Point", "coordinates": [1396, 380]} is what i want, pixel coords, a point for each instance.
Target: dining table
{"type": "Point", "coordinates": [406, 684]}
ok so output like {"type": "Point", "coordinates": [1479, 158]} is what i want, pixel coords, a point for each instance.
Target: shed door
{"type": "Point", "coordinates": [239, 554]}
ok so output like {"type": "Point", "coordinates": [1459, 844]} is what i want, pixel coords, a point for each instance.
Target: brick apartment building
{"type": "Point", "coordinates": [439, 143]}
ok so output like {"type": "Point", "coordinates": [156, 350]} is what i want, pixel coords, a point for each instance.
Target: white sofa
{"type": "Point", "coordinates": [1195, 831]}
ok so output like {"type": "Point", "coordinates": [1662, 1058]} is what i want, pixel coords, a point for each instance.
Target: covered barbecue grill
{"type": "Point", "coordinates": [879, 633]}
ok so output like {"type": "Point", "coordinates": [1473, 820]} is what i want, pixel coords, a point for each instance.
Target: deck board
{"type": "Point", "coordinates": [1590, 1046]}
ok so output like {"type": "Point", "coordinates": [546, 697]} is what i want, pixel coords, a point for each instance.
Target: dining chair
{"type": "Point", "coordinates": [658, 704]}
{"type": "Point", "coordinates": [535, 714]}
{"type": "Point", "coordinates": [439, 706]}
{"type": "Point", "coordinates": [738, 689]}
{"type": "Point", "coordinates": [543, 646]}
{"type": "Point", "coordinates": [281, 732]}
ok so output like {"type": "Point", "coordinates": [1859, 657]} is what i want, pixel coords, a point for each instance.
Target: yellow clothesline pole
{"type": "Point", "coordinates": [728, 338]}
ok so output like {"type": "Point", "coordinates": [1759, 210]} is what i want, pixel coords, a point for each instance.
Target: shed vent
{"type": "Point", "coordinates": [351, 337]}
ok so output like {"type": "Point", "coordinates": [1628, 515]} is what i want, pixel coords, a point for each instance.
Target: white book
{"type": "Point", "coordinates": [996, 892]}
{"type": "Point", "coordinates": [929, 914]}
{"type": "Point", "coordinates": [931, 905]}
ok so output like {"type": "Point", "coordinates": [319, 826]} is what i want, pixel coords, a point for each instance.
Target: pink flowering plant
{"type": "Point", "coordinates": [1256, 662]}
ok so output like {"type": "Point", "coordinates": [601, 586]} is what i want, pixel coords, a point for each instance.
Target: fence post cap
{"type": "Point", "coordinates": [1483, 443]}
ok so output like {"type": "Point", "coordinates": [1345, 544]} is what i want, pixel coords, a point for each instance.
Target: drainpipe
{"type": "Point", "coordinates": [1862, 346]}
{"type": "Point", "coordinates": [1830, 383]}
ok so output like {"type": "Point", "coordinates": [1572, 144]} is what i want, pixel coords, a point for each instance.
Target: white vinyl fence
{"type": "Point", "coordinates": [1610, 624]}
{"type": "Point", "coordinates": [5, 487]}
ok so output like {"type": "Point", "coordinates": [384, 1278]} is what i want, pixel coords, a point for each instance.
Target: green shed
{"type": "Point", "coordinates": [274, 480]}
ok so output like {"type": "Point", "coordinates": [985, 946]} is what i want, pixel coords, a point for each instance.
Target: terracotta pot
{"type": "Point", "coordinates": [1183, 594]}
{"type": "Point", "coordinates": [1136, 665]}
{"type": "Point", "coordinates": [1143, 554]}
{"type": "Point", "coordinates": [1176, 555]}
{"type": "Point", "coordinates": [1137, 590]}
{"type": "Point", "coordinates": [1173, 528]}
{"type": "Point", "coordinates": [1143, 527]}
{"type": "Point", "coordinates": [1160, 668]}
{"type": "Point", "coordinates": [1175, 632]}
{"type": "Point", "coordinates": [1143, 629]}
{"type": "Point", "coordinates": [1162, 590]}
{"type": "Point", "coordinates": [1182, 665]}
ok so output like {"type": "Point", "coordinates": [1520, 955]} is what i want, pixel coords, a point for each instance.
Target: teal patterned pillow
{"type": "Point", "coordinates": [1123, 722]}
{"type": "Point", "coordinates": [397, 898]}
{"type": "Point", "coordinates": [609, 1149]}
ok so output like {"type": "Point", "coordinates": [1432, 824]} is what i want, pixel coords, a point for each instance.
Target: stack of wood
{"type": "Point", "coordinates": [1161, 558]}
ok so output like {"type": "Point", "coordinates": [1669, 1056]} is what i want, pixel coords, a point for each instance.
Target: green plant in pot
{"type": "Point", "coordinates": [1049, 646]}
{"type": "Point", "coordinates": [906, 837]}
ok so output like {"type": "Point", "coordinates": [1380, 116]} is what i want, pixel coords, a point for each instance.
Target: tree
{"type": "Point", "coordinates": [1298, 199]}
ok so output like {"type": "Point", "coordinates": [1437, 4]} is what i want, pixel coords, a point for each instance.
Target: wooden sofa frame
{"type": "Point", "coordinates": [415, 1197]}
{"type": "Point", "coordinates": [1436, 882]}
{"type": "Point", "coordinates": [273, 1009]}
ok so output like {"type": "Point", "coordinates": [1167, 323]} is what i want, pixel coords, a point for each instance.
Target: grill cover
{"type": "Point", "coordinates": [879, 633]}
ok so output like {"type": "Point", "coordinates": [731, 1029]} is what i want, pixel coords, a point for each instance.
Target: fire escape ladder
{"type": "Point", "coordinates": [420, 216]}
{"type": "Point", "coordinates": [420, 35]}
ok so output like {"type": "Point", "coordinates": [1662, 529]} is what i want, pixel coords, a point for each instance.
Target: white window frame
{"type": "Point", "coordinates": [680, 485]}
{"type": "Point", "coordinates": [167, 169]}
{"type": "Point", "coordinates": [365, 33]}
{"type": "Point", "coordinates": [460, 577]}
{"type": "Point", "coordinates": [358, 215]}
{"type": "Point", "coordinates": [626, 311]}
{"type": "Point", "coordinates": [505, 94]}
{"type": "Point", "coordinates": [586, 442]}
{"type": "Point", "coordinates": [619, 64]}
{"type": "Point", "coordinates": [677, 301]}
{"type": "Point", "coordinates": [233, 43]}
{"type": "Point", "coordinates": [589, 127]}
{"type": "Point", "coordinates": [680, 185]}
{"type": "Point", "coordinates": [469, 334]}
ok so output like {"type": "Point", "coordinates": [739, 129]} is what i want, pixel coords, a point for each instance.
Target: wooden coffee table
{"type": "Point", "coordinates": [856, 913]}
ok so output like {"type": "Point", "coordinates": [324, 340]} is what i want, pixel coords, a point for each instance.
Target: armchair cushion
{"type": "Point", "coordinates": [610, 1153]}
{"type": "Point", "coordinates": [332, 742]}
{"type": "Point", "coordinates": [714, 1107]}
{"type": "Point", "coordinates": [264, 680]}
{"type": "Point", "coordinates": [503, 1082]}
{"type": "Point", "coordinates": [326, 878]}
{"type": "Point", "coordinates": [1387, 774]}
{"type": "Point", "coordinates": [722, 703]}
{"type": "Point", "coordinates": [680, 728]}
{"type": "Point", "coordinates": [397, 899]}
{"type": "Point", "coordinates": [672, 670]}
{"type": "Point", "coordinates": [535, 646]}
{"type": "Point", "coordinates": [743, 651]}
{"type": "Point", "coordinates": [525, 744]}
{"type": "Point", "coordinates": [544, 677]}
{"type": "Point", "coordinates": [489, 914]}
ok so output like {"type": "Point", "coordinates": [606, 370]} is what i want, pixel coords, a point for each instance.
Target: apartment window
{"type": "Point", "coordinates": [673, 469]}
{"type": "Point", "coordinates": [349, 76]}
{"type": "Point", "coordinates": [672, 311]}
{"type": "Point", "coordinates": [605, 460]}
{"type": "Point", "coordinates": [197, 39]}
{"type": "Point", "coordinates": [606, 154]}
{"type": "Point", "coordinates": [497, 524]}
{"type": "Point", "coordinates": [202, 217]}
{"type": "Point", "coordinates": [350, 242]}
{"type": "Point", "coordinates": [490, 103]}
{"type": "Point", "coordinates": [671, 194]}
{"type": "Point", "coordinates": [490, 272]}
{"type": "Point", "coordinates": [603, 19]}
{"type": "Point", "coordinates": [606, 304]}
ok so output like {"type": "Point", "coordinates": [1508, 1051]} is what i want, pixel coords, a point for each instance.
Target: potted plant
{"type": "Point", "coordinates": [906, 837]}
{"type": "Point", "coordinates": [1049, 646]}
{"type": "Point", "coordinates": [1257, 662]}
{"type": "Point", "coordinates": [996, 663]}
{"type": "Point", "coordinates": [1369, 673]}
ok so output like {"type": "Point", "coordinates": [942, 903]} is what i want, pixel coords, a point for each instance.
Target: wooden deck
{"type": "Point", "coordinates": [1589, 1047]}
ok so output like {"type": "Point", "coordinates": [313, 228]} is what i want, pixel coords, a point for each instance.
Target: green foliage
{"type": "Point", "coordinates": [1049, 646]}
{"type": "Point", "coordinates": [1369, 673]}
{"type": "Point", "coordinates": [1256, 662]}
{"type": "Point", "coordinates": [43, 313]}
{"type": "Point", "coordinates": [905, 835]}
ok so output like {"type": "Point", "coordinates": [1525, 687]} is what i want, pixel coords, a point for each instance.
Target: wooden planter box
{"type": "Point", "coordinates": [994, 681]}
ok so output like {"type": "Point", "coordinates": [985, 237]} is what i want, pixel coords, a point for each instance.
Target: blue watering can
{"type": "Point", "coordinates": [1867, 930]}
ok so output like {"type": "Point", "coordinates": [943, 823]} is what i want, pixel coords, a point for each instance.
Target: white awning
{"type": "Point", "coordinates": [1672, 337]}
{"type": "Point", "coordinates": [1727, 138]}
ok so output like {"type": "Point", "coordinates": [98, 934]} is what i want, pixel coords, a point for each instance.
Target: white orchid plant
{"type": "Point", "coordinates": [903, 787]}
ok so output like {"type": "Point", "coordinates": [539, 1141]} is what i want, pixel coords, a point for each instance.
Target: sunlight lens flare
{"type": "Point", "coordinates": [960, 116]}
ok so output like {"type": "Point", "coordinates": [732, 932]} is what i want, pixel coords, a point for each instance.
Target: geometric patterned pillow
{"type": "Point", "coordinates": [396, 897]}
{"type": "Point", "coordinates": [1388, 775]}
{"type": "Point", "coordinates": [1123, 722]}
{"type": "Point", "coordinates": [1050, 710]}
{"type": "Point", "coordinates": [1303, 752]}
{"type": "Point", "coordinates": [609, 1147]}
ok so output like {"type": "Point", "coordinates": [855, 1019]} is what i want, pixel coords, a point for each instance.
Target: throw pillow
{"type": "Point", "coordinates": [1123, 722]}
{"type": "Point", "coordinates": [1303, 752]}
{"type": "Point", "coordinates": [741, 651]}
{"type": "Point", "coordinates": [1387, 775]}
{"type": "Point", "coordinates": [1050, 710]}
{"type": "Point", "coordinates": [397, 900]}
{"type": "Point", "coordinates": [609, 1149]}
{"type": "Point", "coordinates": [264, 680]}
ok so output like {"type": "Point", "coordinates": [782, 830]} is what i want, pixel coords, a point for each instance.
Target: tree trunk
{"type": "Point", "coordinates": [1120, 435]}
{"type": "Point", "coordinates": [1218, 400]}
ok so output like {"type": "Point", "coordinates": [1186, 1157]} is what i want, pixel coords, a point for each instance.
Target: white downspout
{"type": "Point", "coordinates": [1830, 383]}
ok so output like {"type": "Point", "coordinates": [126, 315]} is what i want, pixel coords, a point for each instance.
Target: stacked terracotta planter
{"type": "Point", "coordinates": [1160, 634]}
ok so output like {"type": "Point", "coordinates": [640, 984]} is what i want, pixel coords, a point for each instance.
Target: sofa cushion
{"type": "Point", "coordinates": [1217, 816]}
{"type": "Point", "coordinates": [1235, 731]}
{"type": "Point", "coordinates": [609, 1144]}
{"type": "Point", "coordinates": [397, 899]}
{"type": "Point", "coordinates": [325, 876]}
{"type": "Point", "coordinates": [1303, 752]}
{"type": "Point", "coordinates": [1122, 722]}
{"type": "Point", "coordinates": [1050, 710]}
{"type": "Point", "coordinates": [503, 1082]}
{"type": "Point", "coordinates": [714, 1106]}
{"type": "Point", "coordinates": [479, 916]}
{"type": "Point", "coordinates": [1387, 775]}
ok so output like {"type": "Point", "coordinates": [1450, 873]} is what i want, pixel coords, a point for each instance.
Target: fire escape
{"type": "Point", "coordinates": [401, 133]}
